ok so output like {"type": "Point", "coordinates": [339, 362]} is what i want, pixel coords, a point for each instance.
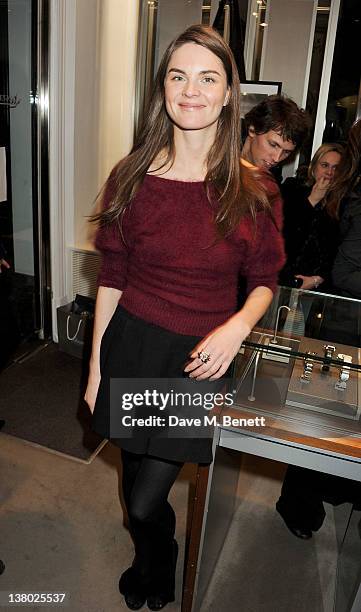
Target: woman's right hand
{"type": "Point", "coordinates": [319, 190]}
{"type": "Point", "coordinates": [92, 390]}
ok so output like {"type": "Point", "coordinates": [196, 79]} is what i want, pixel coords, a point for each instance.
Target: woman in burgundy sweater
{"type": "Point", "coordinates": [182, 220]}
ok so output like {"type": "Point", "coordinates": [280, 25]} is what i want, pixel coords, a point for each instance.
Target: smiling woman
{"type": "Point", "coordinates": [195, 89]}
{"type": "Point", "coordinates": [182, 219]}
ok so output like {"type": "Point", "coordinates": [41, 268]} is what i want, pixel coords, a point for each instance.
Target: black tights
{"type": "Point", "coordinates": [146, 485]}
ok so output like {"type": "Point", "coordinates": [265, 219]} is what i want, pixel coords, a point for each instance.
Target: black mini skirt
{"type": "Point", "coordinates": [134, 348]}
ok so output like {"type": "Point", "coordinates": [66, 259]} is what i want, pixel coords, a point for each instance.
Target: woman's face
{"type": "Point", "coordinates": [195, 87]}
{"type": "Point", "coordinates": [326, 166]}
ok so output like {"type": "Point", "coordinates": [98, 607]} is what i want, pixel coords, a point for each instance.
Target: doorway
{"type": "Point", "coordinates": [24, 227]}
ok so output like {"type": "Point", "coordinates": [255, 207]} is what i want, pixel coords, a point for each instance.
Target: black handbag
{"type": "Point", "coordinates": [75, 326]}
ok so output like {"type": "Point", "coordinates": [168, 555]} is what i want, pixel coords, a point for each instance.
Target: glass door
{"type": "Point", "coordinates": [22, 231]}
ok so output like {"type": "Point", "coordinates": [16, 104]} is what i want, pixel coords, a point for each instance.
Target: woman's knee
{"type": "Point", "coordinates": [139, 511]}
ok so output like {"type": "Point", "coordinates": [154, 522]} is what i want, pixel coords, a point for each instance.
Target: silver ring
{"type": "Point", "coordinates": [203, 356]}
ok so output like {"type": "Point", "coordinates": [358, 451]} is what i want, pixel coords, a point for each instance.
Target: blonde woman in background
{"type": "Point", "coordinates": [311, 229]}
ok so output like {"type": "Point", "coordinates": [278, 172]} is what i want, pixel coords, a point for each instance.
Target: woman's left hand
{"type": "Point", "coordinates": [221, 345]}
{"type": "Point", "coordinates": [310, 282]}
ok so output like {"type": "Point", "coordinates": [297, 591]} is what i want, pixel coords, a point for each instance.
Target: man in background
{"type": "Point", "coordinates": [275, 129]}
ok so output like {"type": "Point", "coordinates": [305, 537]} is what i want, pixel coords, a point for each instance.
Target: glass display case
{"type": "Point", "coordinates": [302, 362]}
{"type": "Point", "coordinates": [296, 390]}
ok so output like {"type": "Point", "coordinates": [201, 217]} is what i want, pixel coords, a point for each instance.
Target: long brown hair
{"type": "Point", "coordinates": [348, 171]}
{"type": "Point", "coordinates": [238, 188]}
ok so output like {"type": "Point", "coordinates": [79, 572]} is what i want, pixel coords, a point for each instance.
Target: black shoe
{"type": "Point", "coordinates": [133, 589]}
{"type": "Point", "coordinates": [300, 532]}
{"type": "Point", "coordinates": [157, 602]}
{"type": "Point", "coordinates": [163, 594]}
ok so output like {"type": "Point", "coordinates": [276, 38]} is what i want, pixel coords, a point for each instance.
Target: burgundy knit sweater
{"type": "Point", "coordinates": [173, 270]}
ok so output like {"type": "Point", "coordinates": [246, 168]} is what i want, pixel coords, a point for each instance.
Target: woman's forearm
{"type": "Point", "coordinates": [106, 303]}
{"type": "Point", "coordinates": [254, 308]}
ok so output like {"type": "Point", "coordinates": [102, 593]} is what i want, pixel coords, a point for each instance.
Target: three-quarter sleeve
{"type": "Point", "coordinates": [266, 254]}
{"type": "Point", "coordinates": [114, 251]}
{"type": "Point", "coordinates": [114, 257]}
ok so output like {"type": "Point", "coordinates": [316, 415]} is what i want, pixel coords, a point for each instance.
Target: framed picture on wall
{"type": "Point", "coordinates": [253, 92]}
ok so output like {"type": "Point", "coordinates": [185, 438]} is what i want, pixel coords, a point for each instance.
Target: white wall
{"type": "Point", "coordinates": [287, 50]}
{"type": "Point", "coordinates": [104, 97]}
{"type": "Point", "coordinates": [286, 45]}
{"type": "Point", "coordinates": [92, 79]}
{"type": "Point", "coordinates": [86, 113]}
{"type": "Point", "coordinates": [174, 16]}
{"type": "Point", "coordinates": [119, 26]}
